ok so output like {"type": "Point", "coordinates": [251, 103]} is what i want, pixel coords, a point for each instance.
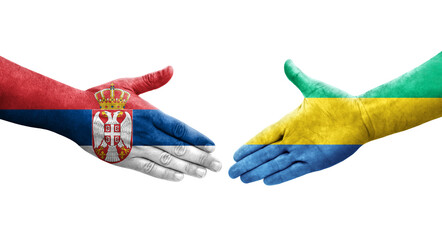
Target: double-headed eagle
{"type": "Point", "coordinates": [112, 134]}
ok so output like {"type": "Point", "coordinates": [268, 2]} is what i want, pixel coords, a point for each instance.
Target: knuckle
{"type": "Point", "coordinates": [167, 174]}
{"type": "Point", "coordinates": [274, 165]}
{"type": "Point", "coordinates": [147, 167]}
{"type": "Point", "coordinates": [203, 158]}
{"type": "Point", "coordinates": [187, 168]}
{"type": "Point", "coordinates": [179, 130]}
{"type": "Point", "coordinates": [147, 79]}
{"type": "Point", "coordinates": [165, 158]}
{"type": "Point", "coordinates": [190, 168]}
{"type": "Point", "coordinates": [179, 150]}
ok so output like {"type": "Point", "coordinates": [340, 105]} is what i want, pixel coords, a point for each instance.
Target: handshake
{"type": "Point", "coordinates": [113, 123]}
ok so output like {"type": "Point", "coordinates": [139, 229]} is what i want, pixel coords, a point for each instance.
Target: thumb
{"type": "Point", "coordinates": [297, 77]}
{"type": "Point", "coordinates": [150, 81]}
{"type": "Point", "coordinates": [309, 87]}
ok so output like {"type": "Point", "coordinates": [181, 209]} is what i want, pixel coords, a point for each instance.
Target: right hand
{"type": "Point", "coordinates": [163, 147]}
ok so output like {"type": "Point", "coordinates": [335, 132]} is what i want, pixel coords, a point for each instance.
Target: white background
{"type": "Point", "coordinates": [229, 84]}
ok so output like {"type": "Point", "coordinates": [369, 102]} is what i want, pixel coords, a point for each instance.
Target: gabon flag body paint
{"type": "Point", "coordinates": [330, 124]}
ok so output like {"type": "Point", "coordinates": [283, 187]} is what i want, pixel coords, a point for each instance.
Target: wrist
{"type": "Point", "coordinates": [385, 116]}
{"type": "Point", "coordinates": [407, 101]}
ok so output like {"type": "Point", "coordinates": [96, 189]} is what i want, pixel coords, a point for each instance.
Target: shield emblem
{"type": "Point", "coordinates": [112, 134]}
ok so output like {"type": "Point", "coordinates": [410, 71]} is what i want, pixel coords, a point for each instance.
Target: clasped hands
{"type": "Point", "coordinates": [127, 131]}
{"type": "Point", "coordinates": [324, 130]}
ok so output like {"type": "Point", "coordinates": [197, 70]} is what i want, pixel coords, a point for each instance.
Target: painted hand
{"type": "Point", "coordinates": [109, 121]}
{"type": "Point", "coordinates": [129, 132]}
{"type": "Point", "coordinates": [328, 127]}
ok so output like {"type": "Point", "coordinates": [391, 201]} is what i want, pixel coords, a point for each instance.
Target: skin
{"type": "Point", "coordinates": [312, 137]}
{"type": "Point", "coordinates": [189, 151]}
{"type": "Point", "coordinates": [330, 124]}
{"type": "Point", "coordinates": [192, 156]}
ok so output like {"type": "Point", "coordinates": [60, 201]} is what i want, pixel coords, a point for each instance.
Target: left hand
{"type": "Point", "coordinates": [325, 129]}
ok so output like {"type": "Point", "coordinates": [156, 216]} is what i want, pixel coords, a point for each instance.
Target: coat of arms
{"type": "Point", "coordinates": [112, 125]}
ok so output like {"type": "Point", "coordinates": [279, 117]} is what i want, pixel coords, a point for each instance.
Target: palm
{"type": "Point", "coordinates": [324, 130]}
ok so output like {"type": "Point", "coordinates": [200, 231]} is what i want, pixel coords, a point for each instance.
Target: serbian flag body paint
{"type": "Point", "coordinates": [110, 121]}
{"type": "Point", "coordinates": [106, 131]}
{"type": "Point", "coordinates": [112, 125]}
{"type": "Point", "coordinates": [110, 132]}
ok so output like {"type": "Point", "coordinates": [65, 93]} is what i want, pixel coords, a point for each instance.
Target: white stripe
{"type": "Point", "coordinates": [140, 151]}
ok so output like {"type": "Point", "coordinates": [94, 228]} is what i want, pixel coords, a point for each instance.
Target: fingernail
{"type": "Point", "coordinates": [210, 148]}
{"type": "Point", "coordinates": [201, 172]}
{"type": "Point", "coordinates": [216, 166]}
{"type": "Point", "coordinates": [179, 176]}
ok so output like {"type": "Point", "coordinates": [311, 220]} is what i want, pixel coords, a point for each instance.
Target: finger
{"type": "Point", "coordinates": [257, 158]}
{"type": "Point", "coordinates": [246, 150]}
{"type": "Point", "coordinates": [295, 170]}
{"type": "Point", "coordinates": [281, 162]}
{"type": "Point", "coordinates": [180, 130]}
{"type": "Point", "coordinates": [297, 77]}
{"type": "Point", "coordinates": [269, 135]}
{"type": "Point", "coordinates": [309, 87]}
{"type": "Point", "coordinates": [141, 84]}
{"type": "Point", "coordinates": [167, 160]}
{"type": "Point", "coordinates": [152, 169]}
{"type": "Point", "coordinates": [151, 81]}
{"type": "Point", "coordinates": [194, 155]}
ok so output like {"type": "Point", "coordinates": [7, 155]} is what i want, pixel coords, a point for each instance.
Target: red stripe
{"type": "Point", "coordinates": [25, 89]}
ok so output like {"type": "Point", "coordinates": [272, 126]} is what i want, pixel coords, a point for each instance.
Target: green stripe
{"type": "Point", "coordinates": [424, 81]}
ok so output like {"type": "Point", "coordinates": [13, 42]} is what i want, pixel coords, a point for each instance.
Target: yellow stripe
{"type": "Point", "coordinates": [391, 115]}
{"type": "Point", "coordinates": [346, 121]}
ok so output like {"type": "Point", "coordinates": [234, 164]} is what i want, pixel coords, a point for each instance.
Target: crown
{"type": "Point", "coordinates": [112, 98]}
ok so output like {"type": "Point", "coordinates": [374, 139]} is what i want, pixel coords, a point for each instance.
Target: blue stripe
{"type": "Point", "coordinates": [260, 161]}
{"type": "Point", "coordinates": [77, 125]}
{"type": "Point", "coordinates": [73, 124]}
{"type": "Point", "coordinates": [145, 133]}
{"type": "Point", "coordinates": [153, 127]}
